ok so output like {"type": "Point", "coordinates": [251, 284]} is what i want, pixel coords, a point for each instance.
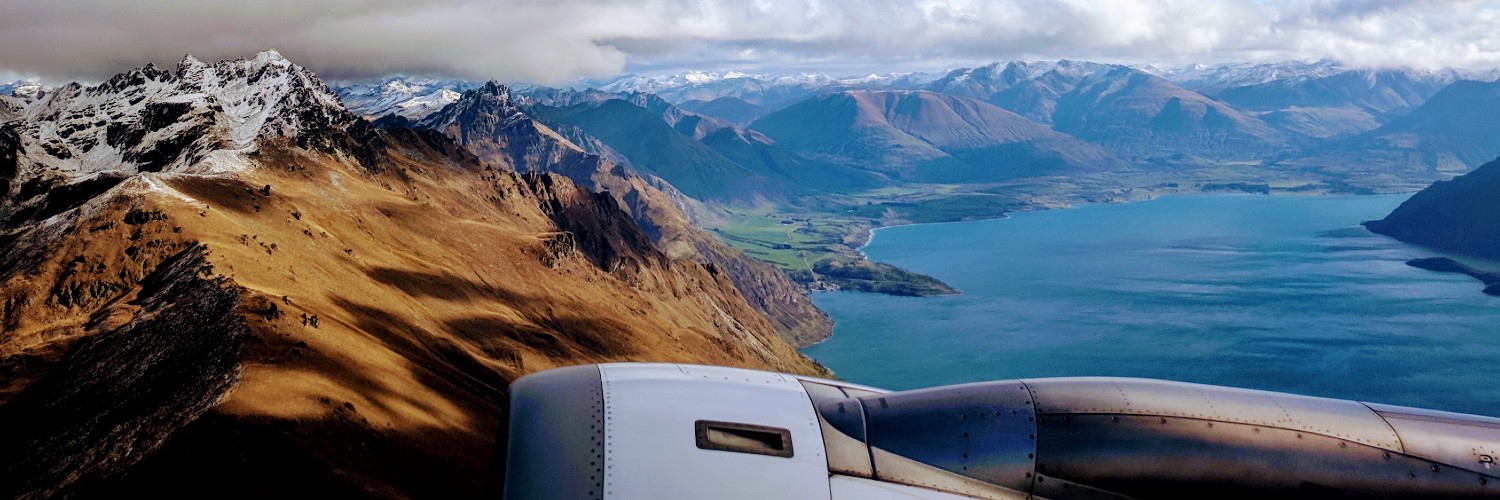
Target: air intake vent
{"type": "Point", "coordinates": [743, 438]}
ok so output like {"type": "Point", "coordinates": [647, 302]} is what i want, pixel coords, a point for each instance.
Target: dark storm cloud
{"type": "Point", "coordinates": [556, 40]}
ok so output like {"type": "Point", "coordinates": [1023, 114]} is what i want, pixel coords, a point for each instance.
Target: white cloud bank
{"type": "Point", "coordinates": [550, 41]}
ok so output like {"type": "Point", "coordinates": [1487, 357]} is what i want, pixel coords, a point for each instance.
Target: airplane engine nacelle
{"type": "Point", "coordinates": [632, 430]}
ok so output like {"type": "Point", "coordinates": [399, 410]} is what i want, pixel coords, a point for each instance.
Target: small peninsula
{"type": "Point", "coordinates": [1446, 265]}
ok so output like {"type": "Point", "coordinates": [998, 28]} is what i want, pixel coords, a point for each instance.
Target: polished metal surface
{"type": "Point", "coordinates": [1125, 396]}
{"type": "Point", "coordinates": [1457, 440]}
{"type": "Point", "coordinates": [1174, 457]}
{"type": "Point", "coordinates": [897, 469]}
{"type": "Point", "coordinates": [983, 431]}
{"type": "Point", "coordinates": [1134, 438]}
{"type": "Point", "coordinates": [556, 435]}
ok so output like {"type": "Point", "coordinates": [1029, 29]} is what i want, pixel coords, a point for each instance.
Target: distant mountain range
{"type": "Point", "coordinates": [412, 98]}
{"type": "Point", "coordinates": [923, 136]}
{"type": "Point", "coordinates": [1216, 78]}
{"type": "Point", "coordinates": [744, 137]}
{"type": "Point", "coordinates": [706, 157]}
{"type": "Point", "coordinates": [1449, 134]}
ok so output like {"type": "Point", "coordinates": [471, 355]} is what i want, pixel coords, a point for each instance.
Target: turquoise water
{"type": "Point", "coordinates": [1282, 293]}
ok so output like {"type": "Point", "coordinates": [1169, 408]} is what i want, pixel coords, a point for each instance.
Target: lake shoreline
{"type": "Point", "coordinates": [1281, 293]}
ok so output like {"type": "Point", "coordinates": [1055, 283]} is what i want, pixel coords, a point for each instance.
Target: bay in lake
{"type": "Point", "coordinates": [1283, 293]}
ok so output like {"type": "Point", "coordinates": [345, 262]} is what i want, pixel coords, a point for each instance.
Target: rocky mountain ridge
{"type": "Point", "coordinates": [490, 122]}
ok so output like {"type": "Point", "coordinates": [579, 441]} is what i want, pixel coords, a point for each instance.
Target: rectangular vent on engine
{"type": "Point", "coordinates": [743, 438]}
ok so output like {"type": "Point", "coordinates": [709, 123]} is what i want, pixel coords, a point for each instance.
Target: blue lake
{"type": "Point", "coordinates": [1284, 293]}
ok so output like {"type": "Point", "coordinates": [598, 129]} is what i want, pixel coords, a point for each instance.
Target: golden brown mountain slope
{"type": "Point", "coordinates": [488, 122]}
{"type": "Point", "coordinates": [314, 325]}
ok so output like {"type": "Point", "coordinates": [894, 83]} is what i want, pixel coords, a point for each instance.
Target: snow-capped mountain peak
{"type": "Point", "coordinates": [699, 77]}
{"type": "Point", "coordinates": [24, 90]}
{"type": "Point", "coordinates": [1210, 78]}
{"type": "Point", "coordinates": [493, 102]}
{"type": "Point", "coordinates": [199, 117]}
{"type": "Point", "coordinates": [411, 98]}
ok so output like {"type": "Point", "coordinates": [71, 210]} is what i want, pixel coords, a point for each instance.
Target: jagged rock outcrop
{"type": "Point", "coordinates": [492, 125]}
{"type": "Point", "coordinates": [216, 280]}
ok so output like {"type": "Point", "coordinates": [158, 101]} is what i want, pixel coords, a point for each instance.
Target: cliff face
{"type": "Point", "coordinates": [488, 123]}
{"type": "Point", "coordinates": [310, 308]}
{"type": "Point", "coordinates": [1460, 215]}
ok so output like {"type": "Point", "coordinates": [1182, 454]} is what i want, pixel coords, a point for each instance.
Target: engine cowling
{"type": "Point", "coordinates": [682, 431]}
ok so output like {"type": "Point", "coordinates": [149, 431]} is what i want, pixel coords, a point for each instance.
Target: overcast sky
{"type": "Point", "coordinates": [552, 41]}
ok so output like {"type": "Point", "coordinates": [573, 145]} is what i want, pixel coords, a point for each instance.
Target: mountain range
{"type": "Point", "coordinates": [1289, 114]}
{"type": "Point", "coordinates": [1448, 135]}
{"type": "Point", "coordinates": [923, 136]}
{"type": "Point", "coordinates": [736, 149]}
{"type": "Point", "coordinates": [217, 278]}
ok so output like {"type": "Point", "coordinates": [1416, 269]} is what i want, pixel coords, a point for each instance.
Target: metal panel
{"type": "Point", "coordinates": [1172, 457]}
{"type": "Point", "coordinates": [851, 488]}
{"type": "Point", "coordinates": [1470, 442]}
{"type": "Point", "coordinates": [556, 435]}
{"type": "Point", "coordinates": [1342, 419]}
{"type": "Point", "coordinates": [843, 423]}
{"type": "Point", "coordinates": [984, 431]}
{"type": "Point", "coordinates": [651, 450]}
{"type": "Point", "coordinates": [898, 469]}
{"type": "Point", "coordinates": [841, 385]}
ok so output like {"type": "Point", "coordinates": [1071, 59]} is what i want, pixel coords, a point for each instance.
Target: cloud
{"type": "Point", "coordinates": [550, 41]}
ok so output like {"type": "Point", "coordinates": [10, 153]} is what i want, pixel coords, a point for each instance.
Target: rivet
{"type": "Point", "coordinates": [1387, 455]}
{"type": "Point", "coordinates": [1434, 467]}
